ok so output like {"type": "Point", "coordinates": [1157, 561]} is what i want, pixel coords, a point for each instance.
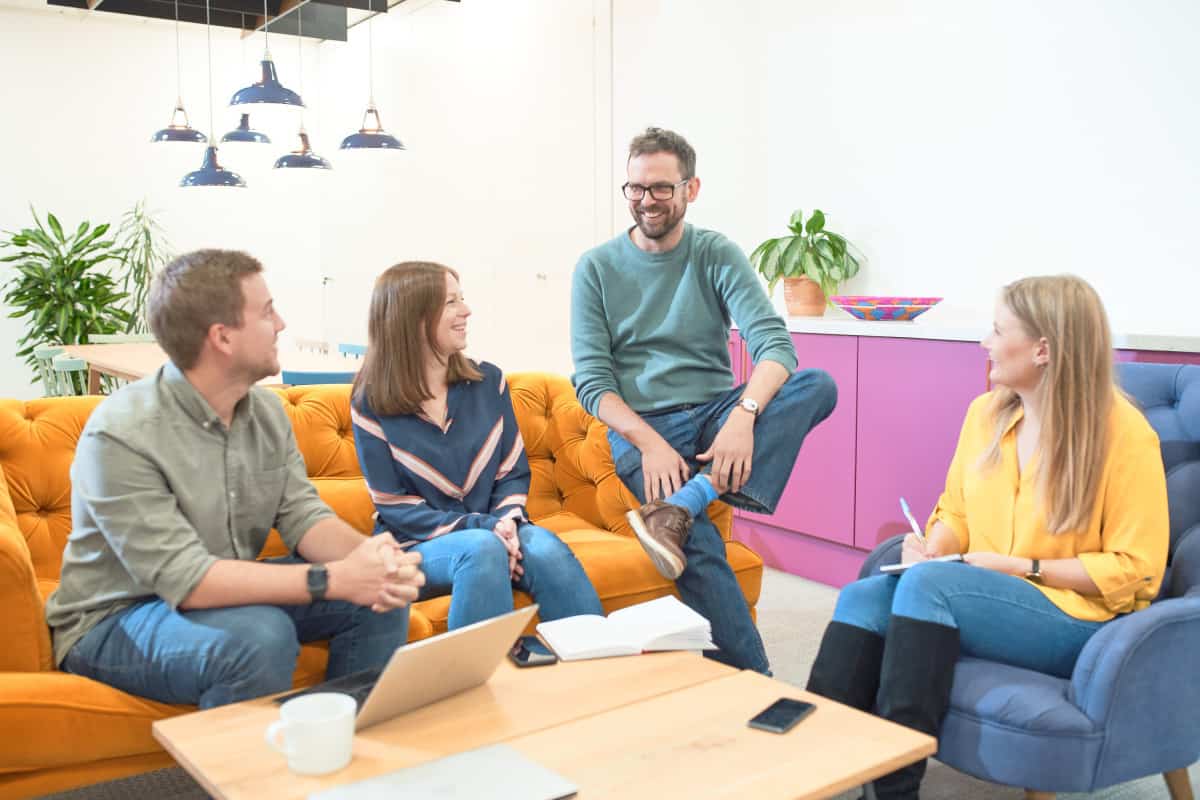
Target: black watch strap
{"type": "Point", "coordinates": [318, 582]}
{"type": "Point", "coordinates": [1035, 571]}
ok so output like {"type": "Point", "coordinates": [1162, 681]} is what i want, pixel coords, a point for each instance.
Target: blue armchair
{"type": "Point", "coordinates": [1132, 706]}
{"type": "Point", "coordinates": [301, 378]}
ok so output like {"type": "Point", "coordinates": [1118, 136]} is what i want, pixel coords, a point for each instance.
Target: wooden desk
{"type": "Point", "coordinates": [132, 361]}
{"type": "Point", "coordinates": [632, 727]}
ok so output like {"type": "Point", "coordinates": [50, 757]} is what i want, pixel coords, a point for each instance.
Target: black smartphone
{"type": "Point", "coordinates": [530, 652]}
{"type": "Point", "coordinates": [782, 715]}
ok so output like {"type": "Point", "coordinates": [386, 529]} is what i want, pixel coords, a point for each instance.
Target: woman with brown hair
{"type": "Point", "coordinates": [444, 461]}
{"type": "Point", "coordinates": [1056, 501]}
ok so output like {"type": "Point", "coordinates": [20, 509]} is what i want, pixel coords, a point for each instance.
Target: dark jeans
{"type": "Point", "coordinates": [708, 584]}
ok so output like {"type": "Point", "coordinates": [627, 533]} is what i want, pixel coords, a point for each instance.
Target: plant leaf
{"type": "Point", "coordinates": [816, 222]}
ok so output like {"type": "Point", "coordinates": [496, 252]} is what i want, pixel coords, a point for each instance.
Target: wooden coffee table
{"type": "Point", "coordinates": [662, 725]}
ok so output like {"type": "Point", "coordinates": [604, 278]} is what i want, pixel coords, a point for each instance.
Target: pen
{"type": "Point", "coordinates": [916, 529]}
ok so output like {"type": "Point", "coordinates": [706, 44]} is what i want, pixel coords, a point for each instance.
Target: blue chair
{"type": "Point", "coordinates": [356, 350]}
{"type": "Point", "coordinates": [301, 378]}
{"type": "Point", "coordinates": [1132, 706]}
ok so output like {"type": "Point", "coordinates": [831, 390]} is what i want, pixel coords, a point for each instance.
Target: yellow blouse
{"type": "Point", "coordinates": [1124, 547]}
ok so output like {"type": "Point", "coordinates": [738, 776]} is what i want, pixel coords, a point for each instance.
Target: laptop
{"type": "Point", "coordinates": [424, 672]}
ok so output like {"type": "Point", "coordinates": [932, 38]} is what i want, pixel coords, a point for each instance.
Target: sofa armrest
{"type": "Point", "coordinates": [1136, 678]}
{"type": "Point", "coordinates": [22, 615]}
{"type": "Point", "coordinates": [886, 552]}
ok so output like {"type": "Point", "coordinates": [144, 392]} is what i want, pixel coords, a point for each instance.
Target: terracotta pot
{"type": "Point", "coordinates": [804, 297]}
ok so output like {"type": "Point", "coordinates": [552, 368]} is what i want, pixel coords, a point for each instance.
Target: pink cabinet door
{"type": "Point", "coordinates": [1157, 356]}
{"type": "Point", "coordinates": [819, 498]}
{"type": "Point", "coordinates": [912, 397]}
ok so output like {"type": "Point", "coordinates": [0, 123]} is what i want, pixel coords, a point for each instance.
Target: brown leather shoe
{"type": "Point", "coordinates": [662, 528]}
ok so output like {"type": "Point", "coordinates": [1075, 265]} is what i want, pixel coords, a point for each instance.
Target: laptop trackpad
{"type": "Point", "coordinates": [496, 772]}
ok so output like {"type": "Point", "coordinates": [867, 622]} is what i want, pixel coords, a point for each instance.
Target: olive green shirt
{"type": "Point", "coordinates": [160, 490]}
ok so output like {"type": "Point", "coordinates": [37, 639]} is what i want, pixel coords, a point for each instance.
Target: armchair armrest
{"type": "Point", "coordinates": [886, 552]}
{"type": "Point", "coordinates": [22, 615]}
{"type": "Point", "coordinates": [1136, 678]}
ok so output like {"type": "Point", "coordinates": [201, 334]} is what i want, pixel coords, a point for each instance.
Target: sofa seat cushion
{"type": "Point", "coordinates": [55, 719]}
{"type": "Point", "coordinates": [621, 572]}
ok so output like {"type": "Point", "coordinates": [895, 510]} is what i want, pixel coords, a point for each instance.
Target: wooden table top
{"type": "Point", "coordinates": [662, 725]}
{"type": "Point", "coordinates": [134, 360]}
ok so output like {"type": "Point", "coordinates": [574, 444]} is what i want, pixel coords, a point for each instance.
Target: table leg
{"type": "Point", "coordinates": [93, 380]}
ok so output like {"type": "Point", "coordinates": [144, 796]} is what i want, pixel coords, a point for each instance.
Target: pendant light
{"type": "Point", "coordinates": [244, 133]}
{"type": "Point", "coordinates": [304, 157]}
{"type": "Point", "coordinates": [268, 91]}
{"type": "Point", "coordinates": [211, 173]}
{"type": "Point", "coordinates": [176, 132]}
{"type": "Point", "coordinates": [371, 138]}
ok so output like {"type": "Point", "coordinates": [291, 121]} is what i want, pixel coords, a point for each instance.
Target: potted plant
{"type": "Point", "coordinates": [61, 286]}
{"type": "Point", "coordinates": [811, 261]}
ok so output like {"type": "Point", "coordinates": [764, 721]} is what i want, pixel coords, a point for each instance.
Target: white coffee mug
{"type": "Point", "coordinates": [317, 732]}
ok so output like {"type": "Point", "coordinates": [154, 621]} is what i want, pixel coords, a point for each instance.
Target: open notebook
{"type": "Point", "coordinates": [662, 624]}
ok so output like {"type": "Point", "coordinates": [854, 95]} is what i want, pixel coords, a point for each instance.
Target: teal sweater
{"type": "Point", "coordinates": [654, 327]}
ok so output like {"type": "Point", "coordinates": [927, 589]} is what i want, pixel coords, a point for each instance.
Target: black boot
{"type": "Point", "coordinates": [914, 690]}
{"type": "Point", "coordinates": [847, 666]}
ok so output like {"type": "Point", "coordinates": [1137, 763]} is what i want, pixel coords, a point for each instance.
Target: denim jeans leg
{"type": "Point", "coordinates": [999, 617]}
{"type": "Point", "coordinates": [709, 586]}
{"type": "Point", "coordinates": [207, 657]}
{"type": "Point", "coordinates": [805, 399]}
{"type": "Point", "coordinates": [867, 603]}
{"type": "Point", "coordinates": [553, 577]}
{"type": "Point", "coordinates": [473, 564]}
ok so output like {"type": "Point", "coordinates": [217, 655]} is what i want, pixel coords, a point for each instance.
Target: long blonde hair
{"type": "Point", "coordinates": [1075, 394]}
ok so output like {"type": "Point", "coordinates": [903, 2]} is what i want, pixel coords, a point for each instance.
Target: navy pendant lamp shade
{"type": "Point", "coordinates": [244, 133]}
{"type": "Point", "coordinates": [211, 173]}
{"type": "Point", "coordinates": [303, 157]}
{"type": "Point", "coordinates": [371, 138]}
{"type": "Point", "coordinates": [175, 130]}
{"type": "Point", "coordinates": [268, 91]}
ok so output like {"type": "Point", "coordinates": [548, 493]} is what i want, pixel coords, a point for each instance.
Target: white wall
{"type": "Point", "coordinates": [496, 101]}
{"type": "Point", "coordinates": [961, 145]}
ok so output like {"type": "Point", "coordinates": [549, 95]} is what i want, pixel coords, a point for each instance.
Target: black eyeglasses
{"type": "Point", "coordinates": [659, 191]}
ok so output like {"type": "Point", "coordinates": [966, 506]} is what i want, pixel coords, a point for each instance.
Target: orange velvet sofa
{"type": "Point", "coordinates": [60, 731]}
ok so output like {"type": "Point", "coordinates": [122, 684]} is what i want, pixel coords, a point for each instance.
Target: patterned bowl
{"type": "Point", "coordinates": [881, 309]}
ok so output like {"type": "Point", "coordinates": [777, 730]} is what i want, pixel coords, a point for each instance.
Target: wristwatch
{"type": "Point", "coordinates": [749, 404]}
{"type": "Point", "coordinates": [318, 582]}
{"type": "Point", "coordinates": [1035, 571]}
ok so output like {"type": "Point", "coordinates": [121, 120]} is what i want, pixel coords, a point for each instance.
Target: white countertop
{"type": "Point", "coordinates": [948, 324]}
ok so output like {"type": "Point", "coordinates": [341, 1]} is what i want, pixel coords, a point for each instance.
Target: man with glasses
{"type": "Point", "coordinates": [650, 317]}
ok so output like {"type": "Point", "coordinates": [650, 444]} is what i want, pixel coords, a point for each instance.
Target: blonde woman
{"type": "Point", "coordinates": [1055, 498]}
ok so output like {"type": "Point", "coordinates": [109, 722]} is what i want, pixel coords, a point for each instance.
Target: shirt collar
{"type": "Point", "coordinates": [188, 398]}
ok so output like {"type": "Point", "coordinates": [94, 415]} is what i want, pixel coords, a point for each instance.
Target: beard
{"type": "Point", "coordinates": [660, 226]}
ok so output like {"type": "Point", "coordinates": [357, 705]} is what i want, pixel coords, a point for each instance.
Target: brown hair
{"type": "Point", "coordinates": [194, 292]}
{"type": "Point", "coordinates": [406, 305]}
{"type": "Point", "coordinates": [660, 140]}
{"type": "Point", "coordinates": [1076, 394]}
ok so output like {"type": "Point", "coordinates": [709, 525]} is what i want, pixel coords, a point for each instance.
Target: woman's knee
{"type": "Point", "coordinates": [921, 592]}
{"type": "Point", "coordinates": [542, 549]}
{"type": "Point", "coordinates": [866, 603]}
{"type": "Point", "coordinates": [482, 550]}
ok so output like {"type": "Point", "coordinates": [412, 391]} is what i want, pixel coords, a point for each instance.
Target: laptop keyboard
{"type": "Point", "coordinates": [357, 684]}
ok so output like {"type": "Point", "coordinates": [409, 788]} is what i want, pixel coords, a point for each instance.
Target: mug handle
{"type": "Point", "coordinates": [272, 736]}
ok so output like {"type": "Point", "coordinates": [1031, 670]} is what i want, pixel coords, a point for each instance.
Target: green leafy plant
{"type": "Point", "coordinates": [60, 286]}
{"type": "Point", "coordinates": [810, 251]}
{"type": "Point", "coordinates": [143, 252]}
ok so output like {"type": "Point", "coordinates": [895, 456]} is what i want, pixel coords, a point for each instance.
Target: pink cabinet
{"type": "Point", "coordinates": [819, 499]}
{"type": "Point", "coordinates": [912, 397]}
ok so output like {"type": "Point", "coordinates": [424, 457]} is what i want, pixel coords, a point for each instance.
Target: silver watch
{"type": "Point", "coordinates": [749, 404]}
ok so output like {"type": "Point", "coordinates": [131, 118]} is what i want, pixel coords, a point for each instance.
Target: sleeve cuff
{"type": "Point", "coordinates": [174, 589]}
{"type": "Point", "coordinates": [1118, 589]}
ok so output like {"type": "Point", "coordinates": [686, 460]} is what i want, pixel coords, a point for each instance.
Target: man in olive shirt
{"type": "Point", "coordinates": [177, 481]}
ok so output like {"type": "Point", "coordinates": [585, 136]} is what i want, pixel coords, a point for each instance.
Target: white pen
{"type": "Point", "coordinates": [916, 529]}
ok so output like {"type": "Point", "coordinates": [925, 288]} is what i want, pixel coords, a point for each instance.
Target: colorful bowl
{"type": "Point", "coordinates": [884, 309]}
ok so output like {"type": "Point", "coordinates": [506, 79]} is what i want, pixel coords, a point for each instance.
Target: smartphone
{"type": "Point", "coordinates": [530, 652]}
{"type": "Point", "coordinates": [782, 715]}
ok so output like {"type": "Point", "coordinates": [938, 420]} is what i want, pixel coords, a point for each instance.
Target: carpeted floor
{"type": "Point", "coordinates": [792, 614]}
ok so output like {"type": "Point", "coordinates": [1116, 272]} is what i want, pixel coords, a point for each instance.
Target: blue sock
{"type": "Point", "coordinates": [695, 495]}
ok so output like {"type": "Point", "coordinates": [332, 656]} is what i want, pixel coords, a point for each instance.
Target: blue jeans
{"type": "Point", "coordinates": [474, 564]}
{"type": "Point", "coordinates": [707, 584]}
{"type": "Point", "coordinates": [214, 656]}
{"type": "Point", "coordinates": [999, 617]}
